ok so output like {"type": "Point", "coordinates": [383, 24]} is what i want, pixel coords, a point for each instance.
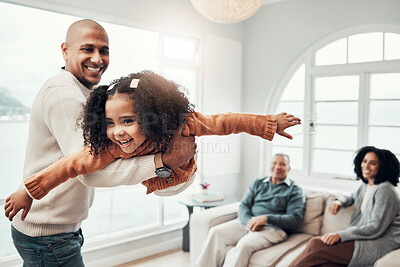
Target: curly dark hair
{"type": "Point", "coordinates": [161, 106]}
{"type": "Point", "coordinates": [389, 167]}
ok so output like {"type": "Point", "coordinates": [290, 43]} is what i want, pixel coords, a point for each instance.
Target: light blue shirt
{"type": "Point", "coordinates": [282, 203]}
{"type": "Point", "coordinates": [286, 181]}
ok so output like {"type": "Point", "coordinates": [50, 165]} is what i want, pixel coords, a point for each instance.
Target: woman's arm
{"type": "Point", "coordinates": [384, 209]}
{"type": "Point", "coordinates": [348, 200]}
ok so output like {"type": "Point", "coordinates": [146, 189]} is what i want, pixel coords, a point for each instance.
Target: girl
{"type": "Point", "coordinates": [138, 115]}
{"type": "Point", "coordinates": [374, 227]}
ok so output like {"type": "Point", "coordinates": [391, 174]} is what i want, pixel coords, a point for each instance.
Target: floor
{"type": "Point", "coordinates": [175, 258]}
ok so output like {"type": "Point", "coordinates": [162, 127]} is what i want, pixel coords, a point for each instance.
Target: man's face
{"type": "Point", "coordinates": [86, 55]}
{"type": "Point", "coordinates": [279, 168]}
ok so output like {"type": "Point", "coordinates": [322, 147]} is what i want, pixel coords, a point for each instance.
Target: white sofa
{"type": "Point", "coordinates": [317, 221]}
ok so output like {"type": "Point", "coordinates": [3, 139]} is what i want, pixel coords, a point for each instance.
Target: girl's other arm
{"type": "Point", "coordinates": [138, 169]}
{"type": "Point", "coordinates": [16, 202]}
{"type": "Point", "coordinates": [79, 163]}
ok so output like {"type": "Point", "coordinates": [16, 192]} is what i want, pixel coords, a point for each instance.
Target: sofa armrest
{"type": "Point", "coordinates": [201, 222]}
{"type": "Point", "coordinates": [391, 259]}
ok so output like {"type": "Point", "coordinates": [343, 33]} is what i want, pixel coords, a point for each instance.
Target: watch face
{"type": "Point", "coordinates": [163, 172]}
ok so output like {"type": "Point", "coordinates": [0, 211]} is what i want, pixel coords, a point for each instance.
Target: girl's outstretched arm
{"type": "Point", "coordinates": [264, 126]}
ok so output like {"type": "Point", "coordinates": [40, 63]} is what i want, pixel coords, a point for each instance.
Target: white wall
{"type": "Point", "coordinates": [278, 34]}
{"type": "Point", "coordinates": [222, 85]}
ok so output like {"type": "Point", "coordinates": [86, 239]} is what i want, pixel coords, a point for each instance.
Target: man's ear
{"type": "Point", "coordinates": [64, 50]}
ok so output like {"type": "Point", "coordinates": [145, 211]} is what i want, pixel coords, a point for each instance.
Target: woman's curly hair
{"type": "Point", "coordinates": [389, 166]}
{"type": "Point", "coordinates": [161, 107]}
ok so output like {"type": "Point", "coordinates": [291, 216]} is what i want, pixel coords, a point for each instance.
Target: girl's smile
{"type": "Point", "coordinates": [122, 126]}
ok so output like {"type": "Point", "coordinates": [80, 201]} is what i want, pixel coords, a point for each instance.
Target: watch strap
{"type": "Point", "coordinates": [158, 161]}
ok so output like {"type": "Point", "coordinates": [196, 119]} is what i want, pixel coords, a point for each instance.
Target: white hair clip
{"type": "Point", "coordinates": [111, 87]}
{"type": "Point", "coordinates": [134, 83]}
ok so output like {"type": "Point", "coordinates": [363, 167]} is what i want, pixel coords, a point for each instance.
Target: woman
{"type": "Point", "coordinates": [374, 227]}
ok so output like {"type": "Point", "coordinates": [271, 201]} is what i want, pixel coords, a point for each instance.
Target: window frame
{"type": "Point", "coordinates": [364, 70]}
{"type": "Point", "coordinates": [192, 65]}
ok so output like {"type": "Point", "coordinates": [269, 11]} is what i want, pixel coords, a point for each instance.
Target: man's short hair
{"type": "Point", "coordinates": [283, 155]}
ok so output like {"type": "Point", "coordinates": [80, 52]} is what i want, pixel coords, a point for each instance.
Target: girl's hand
{"type": "Point", "coordinates": [180, 150]}
{"type": "Point", "coordinates": [16, 202]}
{"type": "Point", "coordinates": [330, 238]}
{"type": "Point", "coordinates": [284, 121]}
{"type": "Point", "coordinates": [335, 207]}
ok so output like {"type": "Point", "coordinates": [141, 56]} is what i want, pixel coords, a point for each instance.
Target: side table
{"type": "Point", "coordinates": [190, 203]}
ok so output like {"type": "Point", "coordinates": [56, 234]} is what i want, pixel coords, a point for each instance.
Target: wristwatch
{"type": "Point", "coordinates": [161, 170]}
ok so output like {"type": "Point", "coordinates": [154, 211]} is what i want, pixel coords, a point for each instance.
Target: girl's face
{"type": "Point", "coordinates": [122, 126]}
{"type": "Point", "coordinates": [370, 166]}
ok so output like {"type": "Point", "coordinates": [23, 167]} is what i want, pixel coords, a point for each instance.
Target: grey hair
{"type": "Point", "coordinates": [283, 155]}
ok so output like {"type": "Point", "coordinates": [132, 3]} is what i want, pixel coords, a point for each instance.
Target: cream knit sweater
{"type": "Point", "coordinates": [53, 134]}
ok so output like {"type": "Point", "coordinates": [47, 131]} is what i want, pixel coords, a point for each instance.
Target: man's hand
{"type": "Point", "coordinates": [283, 121]}
{"type": "Point", "coordinates": [180, 150]}
{"type": "Point", "coordinates": [16, 202]}
{"type": "Point", "coordinates": [330, 238]}
{"type": "Point", "coordinates": [257, 223]}
{"type": "Point", "coordinates": [335, 207]}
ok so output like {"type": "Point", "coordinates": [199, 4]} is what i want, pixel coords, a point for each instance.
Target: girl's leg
{"type": "Point", "coordinates": [318, 254]}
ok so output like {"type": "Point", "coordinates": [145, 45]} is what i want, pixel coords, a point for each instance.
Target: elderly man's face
{"type": "Point", "coordinates": [279, 169]}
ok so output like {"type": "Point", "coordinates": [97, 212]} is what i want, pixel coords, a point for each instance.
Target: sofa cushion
{"type": "Point", "coordinates": [391, 259]}
{"type": "Point", "coordinates": [313, 214]}
{"type": "Point", "coordinates": [333, 223]}
{"type": "Point", "coordinates": [270, 256]}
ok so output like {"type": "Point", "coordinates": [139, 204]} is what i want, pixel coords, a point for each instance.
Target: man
{"type": "Point", "coordinates": [51, 235]}
{"type": "Point", "coordinates": [272, 207]}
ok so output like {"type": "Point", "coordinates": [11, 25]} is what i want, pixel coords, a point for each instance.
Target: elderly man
{"type": "Point", "coordinates": [272, 207]}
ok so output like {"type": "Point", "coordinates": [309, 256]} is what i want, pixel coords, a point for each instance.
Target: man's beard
{"type": "Point", "coordinates": [87, 83]}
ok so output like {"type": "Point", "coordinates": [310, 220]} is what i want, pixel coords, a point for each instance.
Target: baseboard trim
{"type": "Point", "coordinates": [132, 250]}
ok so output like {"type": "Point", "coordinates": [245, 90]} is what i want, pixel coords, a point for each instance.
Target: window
{"type": "Point", "coordinates": [292, 101]}
{"type": "Point", "coordinates": [29, 61]}
{"type": "Point", "coordinates": [384, 122]}
{"type": "Point", "coordinates": [348, 96]}
{"type": "Point", "coordinates": [179, 63]}
{"type": "Point", "coordinates": [338, 94]}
